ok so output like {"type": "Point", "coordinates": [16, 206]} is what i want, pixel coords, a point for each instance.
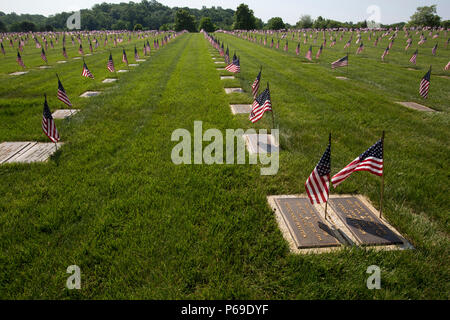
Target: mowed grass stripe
{"type": "Point", "coordinates": [57, 211]}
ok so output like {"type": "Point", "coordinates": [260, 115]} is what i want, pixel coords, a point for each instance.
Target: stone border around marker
{"type": "Point", "coordinates": [233, 90]}
{"type": "Point", "coordinates": [27, 152]}
{"type": "Point", "coordinates": [89, 94]}
{"type": "Point", "coordinates": [261, 147]}
{"type": "Point", "coordinates": [18, 73]}
{"type": "Point", "coordinates": [64, 113]}
{"type": "Point", "coordinates": [241, 108]}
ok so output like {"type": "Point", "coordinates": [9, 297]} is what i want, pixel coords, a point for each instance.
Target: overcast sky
{"type": "Point", "coordinates": [390, 11]}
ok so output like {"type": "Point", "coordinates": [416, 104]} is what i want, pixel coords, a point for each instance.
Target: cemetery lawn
{"type": "Point", "coordinates": [139, 227]}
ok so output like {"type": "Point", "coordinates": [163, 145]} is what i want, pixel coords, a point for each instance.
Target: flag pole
{"type": "Point", "coordinates": [382, 178]}
{"type": "Point", "coordinates": [328, 196]}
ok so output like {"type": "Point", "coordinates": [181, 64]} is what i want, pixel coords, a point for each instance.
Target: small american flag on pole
{"type": "Point", "coordinates": [124, 57]}
{"type": "Point", "coordinates": [255, 85]}
{"type": "Point", "coordinates": [261, 104]}
{"type": "Point", "coordinates": [371, 161]}
{"type": "Point", "coordinates": [297, 50]}
{"type": "Point", "coordinates": [110, 64]}
{"type": "Point", "coordinates": [447, 67]}
{"type": "Point", "coordinates": [48, 124]}
{"type": "Point", "coordinates": [19, 60]}
{"type": "Point", "coordinates": [80, 50]}
{"type": "Point", "coordinates": [425, 85]}
{"type": "Point", "coordinates": [434, 51]}
{"type": "Point", "coordinates": [43, 55]}
{"type": "Point", "coordinates": [385, 53]}
{"type": "Point", "coordinates": [318, 183]}
{"type": "Point", "coordinates": [319, 52]}
{"type": "Point", "coordinates": [309, 54]}
{"type": "Point", "coordinates": [3, 48]}
{"type": "Point", "coordinates": [414, 57]}
{"type": "Point", "coordinates": [235, 66]}
{"type": "Point", "coordinates": [360, 48]}
{"type": "Point", "coordinates": [64, 52]}
{"type": "Point", "coordinates": [136, 55]}
{"type": "Point", "coordinates": [86, 73]}
{"type": "Point", "coordinates": [340, 63]}
{"type": "Point", "coordinates": [62, 94]}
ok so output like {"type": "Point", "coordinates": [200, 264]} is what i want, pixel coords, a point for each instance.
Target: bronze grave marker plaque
{"type": "Point", "coordinates": [362, 222]}
{"type": "Point", "coordinates": [305, 225]}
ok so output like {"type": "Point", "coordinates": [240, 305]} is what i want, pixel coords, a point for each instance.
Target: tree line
{"type": "Point", "coordinates": [152, 15]}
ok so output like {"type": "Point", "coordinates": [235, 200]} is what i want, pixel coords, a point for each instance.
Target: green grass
{"type": "Point", "coordinates": [112, 202]}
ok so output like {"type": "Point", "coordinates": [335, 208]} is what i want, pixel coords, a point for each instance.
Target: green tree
{"type": "Point", "coordinates": [2, 27]}
{"type": "Point", "coordinates": [26, 26]}
{"type": "Point", "coordinates": [138, 27]}
{"type": "Point", "coordinates": [244, 18]}
{"type": "Point", "coordinates": [305, 22]}
{"type": "Point", "coordinates": [425, 17]}
{"type": "Point", "coordinates": [207, 25]}
{"type": "Point", "coordinates": [275, 24]}
{"type": "Point", "coordinates": [184, 21]}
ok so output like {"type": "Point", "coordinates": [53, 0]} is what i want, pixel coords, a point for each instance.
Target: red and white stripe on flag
{"type": "Point", "coordinates": [317, 187]}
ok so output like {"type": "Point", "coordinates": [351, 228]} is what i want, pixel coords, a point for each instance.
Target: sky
{"type": "Point", "coordinates": [383, 11]}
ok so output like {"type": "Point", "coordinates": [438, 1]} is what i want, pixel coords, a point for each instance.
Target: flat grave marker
{"type": "Point", "coordinates": [219, 62]}
{"type": "Point", "coordinates": [306, 226]}
{"type": "Point", "coordinates": [233, 90]}
{"type": "Point", "coordinates": [18, 73]}
{"type": "Point", "coordinates": [221, 69]}
{"type": "Point", "coordinates": [89, 94]}
{"type": "Point", "coordinates": [62, 61]}
{"type": "Point", "coordinates": [226, 77]}
{"type": "Point", "coordinates": [77, 58]}
{"type": "Point", "coordinates": [122, 71]}
{"type": "Point", "coordinates": [341, 78]}
{"type": "Point", "coordinates": [362, 221]}
{"type": "Point", "coordinates": [133, 64]}
{"type": "Point", "coordinates": [416, 106]}
{"type": "Point", "coordinates": [44, 67]}
{"type": "Point", "coordinates": [64, 113]}
{"type": "Point", "coordinates": [26, 152]}
{"type": "Point", "coordinates": [260, 143]}
{"type": "Point", "coordinates": [109, 80]}
{"type": "Point", "coordinates": [140, 60]}
{"type": "Point", "coordinates": [241, 108]}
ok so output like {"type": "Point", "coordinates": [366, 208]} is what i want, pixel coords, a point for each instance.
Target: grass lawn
{"type": "Point", "coordinates": [112, 202]}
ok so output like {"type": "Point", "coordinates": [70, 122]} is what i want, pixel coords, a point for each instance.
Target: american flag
{"type": "Point", "coordinates": [19, 60]}
{"type": "Point", "coordinates": [255, 85]}
{"type": "Point", "coordinates": [371, 160]}
{"type": "Point", "coordinates": [286, 46]}
{"type": "Point", "coordinates": [110, 64]}
{"type": "Point", "coordinates": [90, 47]}
{"type": "Point", "coordinates": [3, 49]}
{"type": "Point", "coordinates": [385, 53]}
{"type": "Point", "coordinates": [62, 94]}
{"type": "Point", "coordinates": [271, 44]}
{"type": "Point", "coordinates": [434, 49]}
{"type": "Point", "coordinates": [80, 50]}
{"type": "Point", "coordinates": [414, 57]}
{"type": "Point", "coordinates": [319, 52]}
{"type": "Point", "coordinates": [297, 50]}
{"type": "Point", "coordinates": [261, 104]}
{"type": "Point", "coordinates": [447, 67]}
{"type": "Point", "coordinates": [235, 66]}
{"type": "Point", "coordinates": [360, 48]}
{"type": "Point", "coordinates": [425, 85]}
{"type": "Point", "coordinates": [309, 54]}
{"type": "Point", "coordinates": [64, 52]}
{"type": "Point", "coordinates": [278, 44]}
{"type": "Point", "coordinates": [340, 63]}
{"type": "Point", "coordinates": [48, 124]}
{"type": "Point", "coordinates": [227, 57]}
{"type": "Point", "coordinates": [43, 55]}
{"type": "Point", "coordinates": [136, 55]}
{"type": "Point", "coordinates": [348, 44]}
{"type": "Point", "coordinates": [86, 73]}
{"type": "Point", "coordinates": [318, 184]}
{"type": "Point", "coordinates": [124, 57]}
